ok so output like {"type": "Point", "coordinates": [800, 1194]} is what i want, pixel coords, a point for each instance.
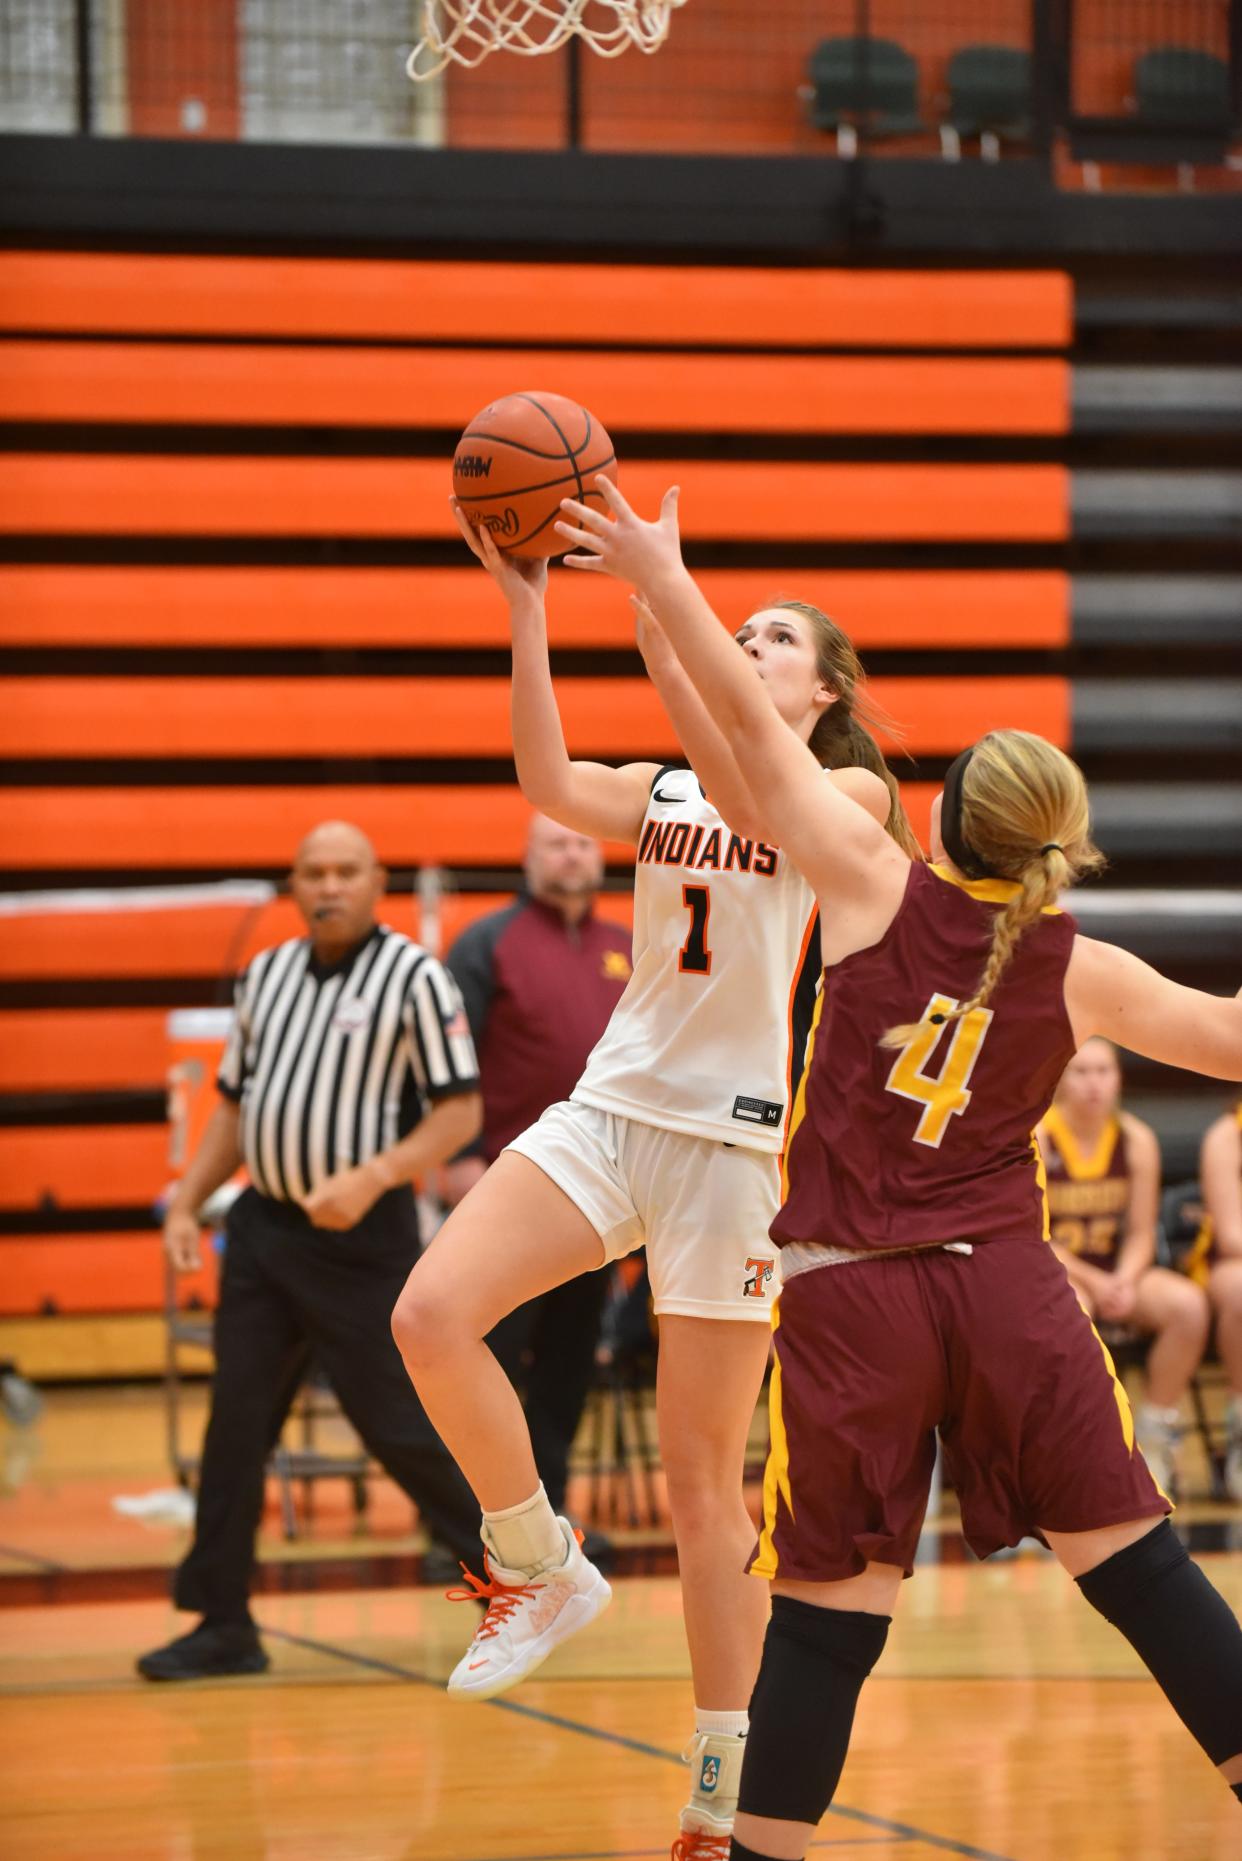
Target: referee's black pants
{"type": "Point", "coordinates": [547, 1350]}
{"type": "Point", "coordinates": [290, 1292]}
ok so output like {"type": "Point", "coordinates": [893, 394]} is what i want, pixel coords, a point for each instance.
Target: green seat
{"type": "Point", "coordinates": [990, 91]}
{"type": "Point", "coordinates": [872, 84]}
{"type": "Point", "coordinates": [1174, 85]}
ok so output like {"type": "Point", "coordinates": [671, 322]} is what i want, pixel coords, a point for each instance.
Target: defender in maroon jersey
{"type": "Point", "coordinates": [884, 1154]}
{"type": "Point", "coordinates": [919, 1294]}
{"type": "Point", "coordinates": [927, 1148]}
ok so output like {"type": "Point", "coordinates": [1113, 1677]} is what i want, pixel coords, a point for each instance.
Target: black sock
{"type": "Point", "coordinates": [802, 1709]}
{"type": "Point", "coordinates": [1182, 1629]}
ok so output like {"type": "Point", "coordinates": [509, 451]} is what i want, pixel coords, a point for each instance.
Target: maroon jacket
{"type": "Point", "coordinates": [538, 994]}
{"type": "Point", "coordinates": [933, 1143]}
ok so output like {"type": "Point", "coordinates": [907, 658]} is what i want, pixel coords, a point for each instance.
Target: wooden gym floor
{"type": "Point", "coordinates": [1006, 1721]}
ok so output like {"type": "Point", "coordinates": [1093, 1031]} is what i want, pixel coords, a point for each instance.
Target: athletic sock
{"type": "Point", "coordinates": [527, 1537]}
{"type": "Point", "coordinates": [1150, 1419]}
{"type": "Point", "coordinates": [802, 1709]}
{"type": "Point", "coordinates": [722, 1724]}
{"type": "Point", "coordinates": [1183, 1631]}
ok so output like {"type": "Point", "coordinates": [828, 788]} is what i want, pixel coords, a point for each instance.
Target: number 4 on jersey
{"type": "Point", "coordinates": [946, 1094]}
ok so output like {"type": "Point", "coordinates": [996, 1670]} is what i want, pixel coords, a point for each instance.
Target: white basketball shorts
{"type": "Point", "coordinates": [702, 1207]}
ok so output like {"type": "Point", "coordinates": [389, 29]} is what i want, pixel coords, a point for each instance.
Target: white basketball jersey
{"type": "Point", "coordinates": [726, 959]}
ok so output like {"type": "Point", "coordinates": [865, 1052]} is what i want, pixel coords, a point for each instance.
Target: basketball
{"type": "Point", "coordinates": [519, 457]}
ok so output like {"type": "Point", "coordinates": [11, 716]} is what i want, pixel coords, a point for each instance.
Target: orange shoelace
{"type": "Point", "coordinates": [501, 1599]}
{"type": "Point", "coordinates": [700, 1846]}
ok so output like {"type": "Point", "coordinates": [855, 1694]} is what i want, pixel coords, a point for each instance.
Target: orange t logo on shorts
{"type": "Point", "coordinates": [760, 1270]}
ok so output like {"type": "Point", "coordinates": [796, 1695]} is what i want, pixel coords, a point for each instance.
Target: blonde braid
{"type": "Point", "coordinates": [1040, 884]}
{"type": "Point", "coordinates": [1024, 808]}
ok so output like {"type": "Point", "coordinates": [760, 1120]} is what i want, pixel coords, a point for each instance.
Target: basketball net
{"type": "Point", "coordinates": [463, 32]}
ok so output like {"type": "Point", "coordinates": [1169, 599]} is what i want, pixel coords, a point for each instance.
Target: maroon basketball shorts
{"type": "Point", "coordinates": [992, 1350]}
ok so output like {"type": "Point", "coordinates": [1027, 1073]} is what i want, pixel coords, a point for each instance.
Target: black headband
{"type": "Point", "coordinates": [956, 846]}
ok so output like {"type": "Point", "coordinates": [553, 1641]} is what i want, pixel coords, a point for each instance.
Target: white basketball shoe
{"type": "Point", "coordinates": [702, 1837]}
{"type": "Point", "coordinates": [526, 1618]}
{"type": "Point", "coordinates": [715, 1760]}
{"type": "Point", "coordinates": [1158, 1433]}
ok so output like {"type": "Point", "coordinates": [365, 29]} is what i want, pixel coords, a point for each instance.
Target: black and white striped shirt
{"type": "Point", "coordinates": [332, 1065]}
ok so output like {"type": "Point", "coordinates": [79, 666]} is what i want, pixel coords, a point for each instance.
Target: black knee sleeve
{"type": "Point", "coordinates": [802, 1709]}
{"type": "Point", "coordinates": [1182, 1629]}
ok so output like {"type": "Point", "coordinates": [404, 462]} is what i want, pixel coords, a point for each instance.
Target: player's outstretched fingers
{"type": "Point", "coordinates": [489, 549]}
{"type": "Point", "coordinates": [617, 503]}
{"type": "Point", "coordinates": [582, 537]}
{"type": "Point", "coordinates": [589, 519]}
{"type": "Point", "coordinates": [470, 533]}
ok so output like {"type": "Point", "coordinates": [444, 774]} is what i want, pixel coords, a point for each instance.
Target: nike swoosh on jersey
{"type": "Point", "coordinates": [667, 799]}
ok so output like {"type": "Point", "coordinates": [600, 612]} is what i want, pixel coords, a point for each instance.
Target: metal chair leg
{"type": "Point", "coordinates": [1215, 1458]}
{"type": "Point", "coordinates": [288, 1512]}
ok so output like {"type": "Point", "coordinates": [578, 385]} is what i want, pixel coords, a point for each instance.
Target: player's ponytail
{"type": "Point", "coordinates": [863, 752]}
{"type": "Point", "coordinates": [1015, 808]}
{"type": "Point", "coordinates": [842, 738]}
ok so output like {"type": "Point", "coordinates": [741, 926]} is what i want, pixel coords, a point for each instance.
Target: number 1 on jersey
{"type": "Point", "coordinates": [947, 1094]}
{"type": "Point", "coordinates": [695, 956]}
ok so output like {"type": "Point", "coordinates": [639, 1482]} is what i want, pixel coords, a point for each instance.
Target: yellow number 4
{"type": "Point", "coordinates": [947, 1094]}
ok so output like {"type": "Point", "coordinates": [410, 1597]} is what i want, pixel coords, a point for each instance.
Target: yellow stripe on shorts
{"type": "Point", "coordinates": [1119, 1390]}
{"type": "Point", "coordinates": [1124, 1409]}
{"type": "Point", "coordinates": [776, 1472]}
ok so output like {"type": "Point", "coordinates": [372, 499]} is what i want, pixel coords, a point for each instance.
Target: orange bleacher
{"type": "Point", "coordinates": [204, 942]}
{"type": "Point", "coordinates": [84, 828]}
{"type": "Point", "coordinates": [79, 1049]}
{"type": "Point", "coordinates": [177, 495]}
{"type": "Point", "coordinates": [306, 386]}
{"type": "Point", "coordinates": [438, 717]}
{"type": "Point", "coordinates": [83, 1166]}
{"type": "Point", "coordinates": [238, 828]}
{"type": "Point", "coordinates": [736, 308]}
{"type": "Point", "coordinates": [83, 1273]}
{"type": "Point", "coordinates": [941, 609]}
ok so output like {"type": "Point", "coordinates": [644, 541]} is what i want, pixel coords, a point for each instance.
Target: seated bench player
{"type": "Point", "coordinates": [1215, 1263]}
{"type": "Point", "coordinates": [1103, 1171]}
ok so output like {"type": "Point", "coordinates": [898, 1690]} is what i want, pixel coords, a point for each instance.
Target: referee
{"type": "Point", "coordinates": [350, 1071]}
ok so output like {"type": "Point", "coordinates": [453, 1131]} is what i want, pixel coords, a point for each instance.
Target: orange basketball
{"type": "Point", "coordinates": [518, 458]}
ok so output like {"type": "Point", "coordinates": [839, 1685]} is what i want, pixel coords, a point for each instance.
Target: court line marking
{"type": "Point", "coordinates": [113, 1683]}
{"type": "Point", "coordinates": [904, 1831]}
{"type": "Point", "coordinates": [47, 1565]}
{"type": "Point", "coordinates": [642, 1854]}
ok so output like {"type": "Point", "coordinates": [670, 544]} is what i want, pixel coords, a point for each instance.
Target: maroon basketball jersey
{"type": "Point", "coordinates": [1088, 1192]}
{"type": "Point", "coordinates": [932, 1143]}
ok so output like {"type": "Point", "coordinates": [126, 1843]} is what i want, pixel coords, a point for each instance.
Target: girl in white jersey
{"type": "Point", "coordinates": [671, 1138]}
